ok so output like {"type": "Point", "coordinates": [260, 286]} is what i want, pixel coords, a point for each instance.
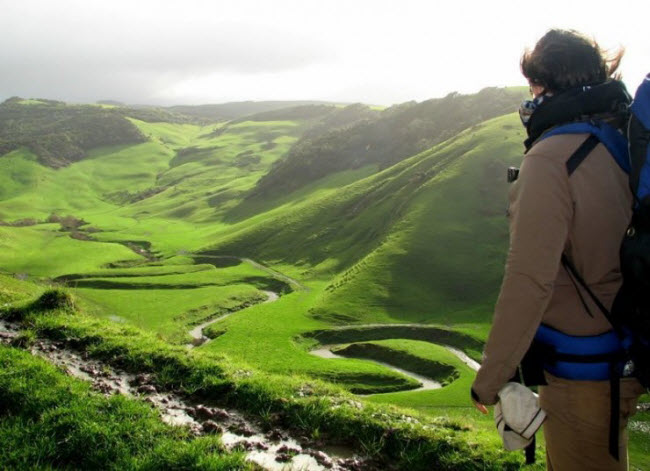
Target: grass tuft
{"type": "Point", "coordinates": [54, 299]}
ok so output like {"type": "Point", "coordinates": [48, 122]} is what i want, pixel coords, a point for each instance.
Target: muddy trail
{"type": "Point", "coordinates": [271, 448]}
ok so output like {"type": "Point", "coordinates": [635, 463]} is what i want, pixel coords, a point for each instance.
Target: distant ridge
{"type": "Point", "coordinates": [238, 109]}
{"type": "Point", "coordinates": [385, 138]}
{"type": "Point", "coordinates": [388, 236]}
{"type": "Point", "coordinates": [60, 134]}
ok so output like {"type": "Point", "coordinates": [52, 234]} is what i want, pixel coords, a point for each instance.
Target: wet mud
{"type": "Point", "coordinates": [272, 448]}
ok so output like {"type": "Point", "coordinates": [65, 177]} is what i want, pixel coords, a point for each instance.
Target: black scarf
{"type": "Point", "coordinates": [605, 100]}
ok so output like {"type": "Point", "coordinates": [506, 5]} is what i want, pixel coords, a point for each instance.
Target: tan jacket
{"type": "Point", "coordinates": [585, 216]}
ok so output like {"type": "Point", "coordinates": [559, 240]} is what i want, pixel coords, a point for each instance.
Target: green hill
{"type": "Point", "coordinates": [385, 138]}
{"type": "Point", "coordinates": [237, 109]}
{"type": "Point", "coordinates": [403, 240]}
{"type": "Point", "coordinates": [60, 134]}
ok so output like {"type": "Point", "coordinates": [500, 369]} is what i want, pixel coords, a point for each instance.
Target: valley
{"type": "Point", "coordinates": [328, 270]}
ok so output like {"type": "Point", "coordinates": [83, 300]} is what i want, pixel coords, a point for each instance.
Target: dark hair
{"type": "Point", "coordinates": [564, 59]}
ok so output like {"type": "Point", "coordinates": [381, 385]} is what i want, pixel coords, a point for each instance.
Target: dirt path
{"type": "Point", "coordinates": [198, 338]}
{"type": "Point", "coordinates": [272, 449]}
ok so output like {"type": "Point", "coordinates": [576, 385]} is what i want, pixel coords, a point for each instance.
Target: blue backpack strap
{"type": "Point", "coordinates": [582, 358]}
{"type": "Point", "coordinates": [639, 133]}
{"type": "Point", "coordinates": [641, 99]}
{"type": "Point", "coordinates": [612, 139]}
{"type": "Point", "coordinates": [587, 358]}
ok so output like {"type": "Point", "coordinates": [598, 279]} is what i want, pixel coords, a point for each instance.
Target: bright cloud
{"type": "Point", "coordinates": [195, 51]}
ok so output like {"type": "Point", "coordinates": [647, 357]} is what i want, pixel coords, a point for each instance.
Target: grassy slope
{"type": "Point", "coordinates": [163, 192]}
{"type": "Point", "coordinates": [44, 251]}
{"type": "Point", "coordinates": [48, 419]}
{"type": "Point", "coordinates": [385, 138]}
{"type": "Point", "coordinates": [416, 207]}
{"type": "Point", "coordinates": [310, 406]}
{"type": "Point", "coordinates": [169, 304]}
{"type": "Point", "coordinates": [336, 230]}
{"type": "Point", "coordinates": [386, 239]}
{"type": "Point", "coordinates": [147, 191]}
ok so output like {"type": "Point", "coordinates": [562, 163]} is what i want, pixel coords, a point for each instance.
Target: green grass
{"type": "Point", "coordinates": [341, 236]}
{"type": "Point", "coordinates": [169, 300]}
{"type": "Point", "coordinates": [310, 406]}
{"type": "Point", "coordinates": [274, 327]}
{"type": "Point", "coordinates": [43, 251]}
{"type": "Point", "coordinates": [419, 242]}
{"type": "Point", "coordinates": [14, 290]}
{"type": "Point", "coordinates": [170, 313]}
{"type": "Point", "coordinates": [639, 441]}
{"type": "Point", "coordinates": [383, 242]}
{"type": "Point", "coordinates": [49, 420]}
{"type": "Point", "coordinates": [31, 101]}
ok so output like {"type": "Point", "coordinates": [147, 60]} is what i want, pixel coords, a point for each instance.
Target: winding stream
{"type": "Point", "coordinates": [325, 351]}
{"type": "Point", "coordinates": [198, 338]}
{"type": "Point", "coordinates": [426, 383]}
{"type": "Point", "coordinates": [275, 274]}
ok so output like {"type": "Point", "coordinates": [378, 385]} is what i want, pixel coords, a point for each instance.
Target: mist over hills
{"type": "Point", "coordinates": [236, 110]}
{"type": "Point", "coordinates": [60, 133]}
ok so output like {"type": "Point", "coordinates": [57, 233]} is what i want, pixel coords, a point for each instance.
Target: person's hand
{"type": "Point", "coordinates": [475, 400]}
{"type": "Point", "coordinates": [481, 408]}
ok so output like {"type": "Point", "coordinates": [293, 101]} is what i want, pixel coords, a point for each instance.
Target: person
{"type": "Point", "coordinates": [582, 215]}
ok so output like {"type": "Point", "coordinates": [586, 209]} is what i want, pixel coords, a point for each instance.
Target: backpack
{"type": "Point", "coordinates": [625, 350]}
{"type": "Point", "coordinates": [630, 313]}
{"type": "Point", "coordinates": [631, 310]}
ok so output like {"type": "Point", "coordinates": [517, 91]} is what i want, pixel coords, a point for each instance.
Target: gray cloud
{"type": "Point", "coordinates": [129, 55]}
{"type": "Point", "coordinates": [191, 51]}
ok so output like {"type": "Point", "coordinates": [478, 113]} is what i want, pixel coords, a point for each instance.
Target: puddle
{"type": "Point", "coordinates": [273, 450]}
{"type": "Point", "coordinates": [426, 383]}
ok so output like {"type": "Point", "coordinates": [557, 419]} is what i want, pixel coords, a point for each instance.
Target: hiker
{"type": "Point", "coordinates": [567, 220]}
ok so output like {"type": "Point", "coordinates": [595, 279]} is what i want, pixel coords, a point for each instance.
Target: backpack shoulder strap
{"type": "Point", "coordinates": [639, 136]}
{"type": "Point", "coordinates": [581, 153]}
{"type": "Point", "coordinates": [615, 142]}
{"type": "Point", "coordinates": [574, 272]}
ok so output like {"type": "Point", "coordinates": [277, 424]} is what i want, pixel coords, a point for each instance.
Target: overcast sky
{"type": "Point", "coordinates": [373, 51]}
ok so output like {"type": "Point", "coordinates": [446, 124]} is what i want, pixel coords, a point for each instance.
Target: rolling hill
{"type": "Point", "coordinates": [385, 138]}
{"type": "Point", "coordinates": [385, 239]}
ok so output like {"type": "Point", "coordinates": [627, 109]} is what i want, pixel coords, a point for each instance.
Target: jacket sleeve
{"type": "Point", "coordinates": [540, 213]}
